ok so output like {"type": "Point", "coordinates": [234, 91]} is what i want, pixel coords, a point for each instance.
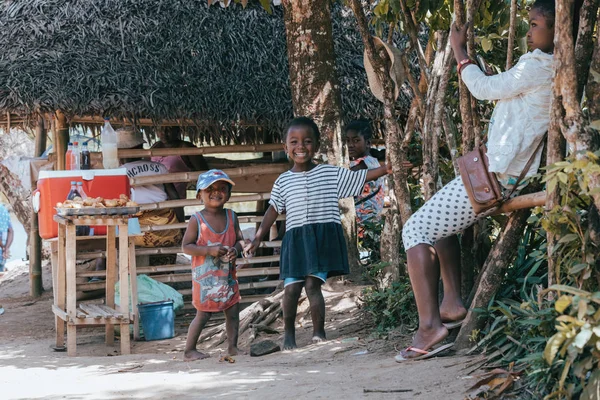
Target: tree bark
{"type": "Point", "coordinates": [511, 34]}
{"type": "Point", "coordinates": [35, 241]}
{"type": "Point", "coordinates": [584, 46]}
{"type": "Point", "coordinates": [316, 92]}
{"type": "Point", "coordinates": [491, 276]}
{"type": "Point", "coordinates": [432, 124]}
{"type": "Point", "coordinates": [18, 197]}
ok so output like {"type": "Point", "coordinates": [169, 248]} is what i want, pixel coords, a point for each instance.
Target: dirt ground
{"type": "Point", "coordinates": [350, 365]}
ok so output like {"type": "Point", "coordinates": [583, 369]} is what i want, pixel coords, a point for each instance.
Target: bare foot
{"type": "Point", "coordinates": [232, 351]}
{"type": "Point", "coordinates": [318, 339]}
{"type": "Point", "coordinates": [425, 339]}
{"type": "Point", "coordinates": [451, 313]}
{"type": "Point", "coordinates": [289, 341]}
{"type": "Point", "coordinates": [193, 355]}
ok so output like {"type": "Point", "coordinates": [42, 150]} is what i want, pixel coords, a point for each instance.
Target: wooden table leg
{"type": "Point", "coordinates": [71, 340]}
{"type": "Point", "coordinates": [59, 285]}
{"type": "Point", "coordinates": [111, 278]}
{"type": "Point", "coordinates": [71, 272]}
{"type": "Point", "coordinates": [134, 301]}
{"type": "Point", "coordinates": [124, 286]}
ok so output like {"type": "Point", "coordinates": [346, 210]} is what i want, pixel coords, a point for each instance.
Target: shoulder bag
{"type": "Point", "coordinates": [482, 186]}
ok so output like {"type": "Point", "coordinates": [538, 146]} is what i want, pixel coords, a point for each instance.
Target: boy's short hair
{"type": "Point", "coordinates": [207, 178]}
{"type": "Point", "coordinates": [304, 122]}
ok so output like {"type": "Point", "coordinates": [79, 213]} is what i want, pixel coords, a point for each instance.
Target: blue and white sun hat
{"type": "Point", "coordinates": [209, 177]}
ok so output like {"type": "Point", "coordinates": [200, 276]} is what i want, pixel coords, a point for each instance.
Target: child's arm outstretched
{"type": "Point", "coordinates": [268, 220]}
{"type": "Point", "coordinates": [376, 173]}
{"type": "Point", "coordinates": [189, 246]}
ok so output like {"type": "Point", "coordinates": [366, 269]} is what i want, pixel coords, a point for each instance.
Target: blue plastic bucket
{"type": "Point", "coordinates": [158, 320]}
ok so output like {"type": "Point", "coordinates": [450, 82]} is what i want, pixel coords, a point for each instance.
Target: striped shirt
{"type": "Point", "coordinates": [311, 197]}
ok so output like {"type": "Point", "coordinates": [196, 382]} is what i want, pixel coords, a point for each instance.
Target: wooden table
{"type": "Point", "coordinates": [65, 304]}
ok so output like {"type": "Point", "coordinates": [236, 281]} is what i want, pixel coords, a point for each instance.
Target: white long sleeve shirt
{"type": "Point", "coordinates": [522, 113]}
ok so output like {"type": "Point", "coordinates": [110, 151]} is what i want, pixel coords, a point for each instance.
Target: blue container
{"type": "Point", "coordinates": [158, 320]}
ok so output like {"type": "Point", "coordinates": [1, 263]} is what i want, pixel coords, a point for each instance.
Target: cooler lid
{"type": "Point", "coordinates": [86, 174]}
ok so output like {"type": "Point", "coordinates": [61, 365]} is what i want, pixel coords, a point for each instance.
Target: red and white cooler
{"type": "Point", "coordinates": [54, 186]}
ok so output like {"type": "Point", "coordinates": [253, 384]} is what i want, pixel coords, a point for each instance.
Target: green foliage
{"type": "Point", "coordinates": [576, 254]}
{"type": "Point", "coordinates": [371, 240]}
{"type": "Point", "coordinates": [390, 307]}
{"type": "Point", "coordinates": [555, 339]}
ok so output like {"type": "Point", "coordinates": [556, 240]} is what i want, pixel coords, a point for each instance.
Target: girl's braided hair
{"type": "Point", "coordinates": [303, 122]}
{"type": "Point", "coordinates": [362, 127]}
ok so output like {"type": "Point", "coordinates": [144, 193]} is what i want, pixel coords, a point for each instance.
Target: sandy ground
{"type": "Point", "coordinates": [349, 365]}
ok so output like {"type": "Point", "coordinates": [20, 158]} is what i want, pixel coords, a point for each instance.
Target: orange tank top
{"type": "Point", "coordinates": [214, 282]}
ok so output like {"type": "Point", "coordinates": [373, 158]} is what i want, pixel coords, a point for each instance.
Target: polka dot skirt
{"type": "Point", "coordinates": [445, 214]}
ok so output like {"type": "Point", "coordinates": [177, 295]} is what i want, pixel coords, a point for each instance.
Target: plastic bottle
{"type": "Point", "coordinates": [86, 161]}
{"type": "Point", "coordinates": [82, 230]}
{"type": "Point", "coordinates": [109, 146]}
{"type": "Point", "coordinates": [73, 192]}
{"type": "Point", "coordinates": [75, 157]}
{"type": "Point", "coordinates": [80, 190]}
{"type": "Point", "coordinates": [69, 156]}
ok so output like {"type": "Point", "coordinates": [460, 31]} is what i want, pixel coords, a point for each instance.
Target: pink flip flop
{"type": "Point", "coordinates": [424, 353]}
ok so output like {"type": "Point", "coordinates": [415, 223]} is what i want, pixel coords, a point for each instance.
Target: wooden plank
{"type": "Point", "coordinates": [194, 202]}
{"type": "Point", "coordinates": [192, 176]}
{"type": "Point", "coordinates": [257, 260]}
{"type": "Point", "coordinates": [191, 151]}
{"type": "Point", "coordinates": [71, 340]}
{"type": "Point", "coordinates": [109, 312]}
{"type": "Point", "coordinates": [134, 289]}
{"type": "Point", "coordinates": [124, 287]}
{"type": "Point", "coordinates": [98, 322]}
{"type": "Point", "coordinates": [253, 298]}
{"type": "Point", "coordinates": [259, 285]}
{"type": "Point", "coordinates": [91, 311]}
{"type": "Point", "coordinates": [60, 313]}
{"type": "Point", "coordinates": [257, 272]}
{"type": "Point", "coordinates": [111, 278]}
{"type": "Point", "coordinates": [71, 271]}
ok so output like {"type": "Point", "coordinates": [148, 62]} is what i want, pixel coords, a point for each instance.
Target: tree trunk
{"type": "Point", "coordinates": [491, 276]}
{"type": "Point", "coordinates": [396, 154]}
{"type": "Point", "coordinates": [316, 92]}
{"type": "Point", "coordinates": [35, 241]}
{"type": "Point", "coordinates": [432, 124]}
{"type": "Point", "coordinates": [18, 197]}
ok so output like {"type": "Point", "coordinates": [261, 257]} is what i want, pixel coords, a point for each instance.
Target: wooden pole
{"type": "Point", "coordinates": [61, 139]}
{"type": "Point", "coordinates": [35, 242]}
{"type": "Point", "coordinates": [192, 151]}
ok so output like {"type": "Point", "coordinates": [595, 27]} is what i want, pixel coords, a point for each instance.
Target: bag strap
{"type": "Point", "coordinates": [369, 197]}
{"type": "Point", "coordinates": [528, 165]}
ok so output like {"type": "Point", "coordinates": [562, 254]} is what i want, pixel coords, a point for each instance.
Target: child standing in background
{"type": "Point", "coordinates": [369, 204]}
{"type": "Point", "coordinates": [214, 239]}
{"type": "Point", "coordinates": [313, 247]}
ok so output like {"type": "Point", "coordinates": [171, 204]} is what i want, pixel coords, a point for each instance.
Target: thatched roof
{"type": "Point", "coordinates": [162, 59]}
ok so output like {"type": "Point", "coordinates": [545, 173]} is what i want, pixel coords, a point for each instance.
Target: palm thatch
{"type": "Point", "coordinates": [224, 69]}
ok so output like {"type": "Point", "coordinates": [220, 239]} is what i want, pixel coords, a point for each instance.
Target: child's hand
{"type": "Point", "coordinates": [232, 254]}
{"type": "Point", "coordinates": [251, 247]}
{"type": "Point", "coordinates": [458, 38]}
{"type": "Point", "coordinates": [217, 251]}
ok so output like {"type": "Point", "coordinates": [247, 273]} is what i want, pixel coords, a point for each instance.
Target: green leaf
{"type": "Point", "coordinates": [562, 303]}
{"type": "Point", "coordinates": [266, 4]}
{"type": "Point", "coordinates": [552, 346]}
{"type": "Point", "coordinates": [568, 238]}
{"type": "Point", "coordinates": [577, 268]}
{"type": "Point", "coordinates": [486, 44]}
